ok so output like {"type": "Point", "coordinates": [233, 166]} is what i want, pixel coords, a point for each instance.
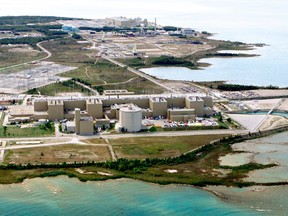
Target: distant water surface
{"type": "Point", "coordinates": [257, 21]}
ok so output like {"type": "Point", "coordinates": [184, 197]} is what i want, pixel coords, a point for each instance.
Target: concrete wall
{"type": "Point", "coordinates": [208, 111]}
{"type": "Point", "coordinates": [73, 104]}
{"type": "Point", "coordinates": [77, 120]}
{"type": "Point", "coordinates": [176, 102]}
{"type": "Point", "coordinates": [196, 103]}
{"type": "Point", "coordinates": [111, 114]}
{"type": "Point", "coordinates": [86, 128]}
{"type": "Point", "coordinates": [147, 113]}
{"type": "Point", "coordinates": [69, 116]}
{"type": "Point", "coordinates": [95, 108]}
{"type": "Point", "coordinates": [183, 118]}
{"type": "Point", "coordinates": [140, 102]}
{"type": "Point", "coordinates": [36, 117]}
{"type": "Point", "coordinates": [40, 106]}
{"type": "Point", "coordinates": [181, 114]}
{"type": "Point", "coordinates": [101, 122]}
{"type": "Point", "coordinates": [208, 102]}
{"type": "Point", "coordinates": [159, 108]}
{"type": "Point", "coordinates": [55, 110]}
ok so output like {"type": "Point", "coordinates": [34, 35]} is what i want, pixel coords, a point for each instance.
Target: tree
{"type": "Point", "coordinates": [76, 36]}
{"type": "Point", "coordinates": [4, 130]}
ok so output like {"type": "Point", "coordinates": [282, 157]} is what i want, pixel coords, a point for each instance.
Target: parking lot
{"type": "Point", "coordinates": [164, 123]}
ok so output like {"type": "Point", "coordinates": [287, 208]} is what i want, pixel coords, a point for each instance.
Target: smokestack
{"type": "Point", "coordinates": [155, 29]}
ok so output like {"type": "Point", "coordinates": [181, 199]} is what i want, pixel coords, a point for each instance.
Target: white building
{"type": "Point", "coordinates": [187, 31]}
{"type": "Point", "coordinates": [131, 118]}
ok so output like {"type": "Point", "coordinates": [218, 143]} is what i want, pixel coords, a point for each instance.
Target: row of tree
{"type": "Point", "coordinates": [22, 20]}
{"type": "Point", "coordinates": [236, 87]}
{"type": "Point", "coordinates": [170, 60]}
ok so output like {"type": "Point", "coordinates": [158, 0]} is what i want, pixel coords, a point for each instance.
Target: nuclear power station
{"type": "Point", "coordinates": [84, 114]}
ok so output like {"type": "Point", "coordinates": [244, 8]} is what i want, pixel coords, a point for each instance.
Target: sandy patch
{"type": "Point", "coordinates": [236, 159]}
{"type": "Point", "coordinates": [250, 122]}
{"type": "Point", "coordinates": [171, 171]}
{"type": "Point", "coordinates": [81, 171]}
{"type": "Point", "coordinates": [268, 93]}
{"type": "Point", "coordinates": [105, 174]}
{"type": "Point", "coordinates": [284, 105]}
{"type": "Point", "coordinates": [261, 104]}
{"type": "Point", "coordinates": [274, 122]}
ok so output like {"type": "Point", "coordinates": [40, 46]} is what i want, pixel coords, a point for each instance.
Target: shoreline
{"type": "Point", "coordinates": [51, 170]}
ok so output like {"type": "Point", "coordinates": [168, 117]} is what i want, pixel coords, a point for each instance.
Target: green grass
{"type": "Point", "coordinates": [58, 154]}
{"type": "Point", "coordinates": [138, 86]}
{"type": "Point", "coordinates": [9, 58]}
{"type": "Point", "coordinates": [55, 88]}
{"type": "Point", "coordinates": [67, 51]}
{"type": "Point", "coordinates": [199, 171]}
{"type": "Point", "coordinates": [13, 131]}
{"type": "Point", "coordinates": [102, 71]}
{"type": "Point", "coordinates": [155, 147]}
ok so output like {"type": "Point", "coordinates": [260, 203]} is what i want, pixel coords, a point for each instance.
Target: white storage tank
{"type": "Point", "coordinates": [131, 118]}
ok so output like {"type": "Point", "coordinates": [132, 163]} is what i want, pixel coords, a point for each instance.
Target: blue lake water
{"type": "Point", "coordinates": [64, 196]}
{"type": "Point", "coordinates": [258, 21]}
{"type": "Point", "coordinates": [283, 114]}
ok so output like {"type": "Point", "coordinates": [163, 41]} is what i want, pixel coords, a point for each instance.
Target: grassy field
{"type": "Point", "coordinates": [199, 171]}
{"type": "Point", "coordinates": [58, 154]}
{"type": "Point", "coordinates": [98, 73]}
{"type": "Point", "coordinates": [138, 85]}
{"type": "Point", "coordinates": [102, 71]}
{"type": "Point", "coordinates": [56, 88]}
{"type": "Point", "coordinates": [12, 56]}
{"type": "Point", "coordinates": [17, 176]}
{"type": "Point", "coordinates": [158, 147]}
{"type": "Point", "coordinates": [67, 51]}
{"type": "Point", "coordinates": [13, 131]}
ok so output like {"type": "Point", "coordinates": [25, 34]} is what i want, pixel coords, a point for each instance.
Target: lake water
{"type": "Point", "coordinates": [259, 21]}
{"type": "Point", "coordinates": [64, 196]}
{"type": "Point", "coordinates": [283, 114]}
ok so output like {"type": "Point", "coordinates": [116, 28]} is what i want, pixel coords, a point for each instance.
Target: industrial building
{"type": "Point", "coordinates": [129, 110]}
{"type": "Point", "coordinates": [187, 31]}
{"type": "Point", "coordinates": [125, 22]}
{"type": "Point", "coordinates": [130, 118]}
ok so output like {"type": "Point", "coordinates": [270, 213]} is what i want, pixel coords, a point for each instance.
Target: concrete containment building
{"type": "Point", "coordinates": [131, 118]}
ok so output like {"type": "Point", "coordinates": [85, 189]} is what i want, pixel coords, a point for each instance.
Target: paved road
{"type": "Point", "coordinates": [2, 152]}
{"type": "Point", "coordinates": [116, 136]}
{"type": "Point", "coordinates": [174, 133]}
